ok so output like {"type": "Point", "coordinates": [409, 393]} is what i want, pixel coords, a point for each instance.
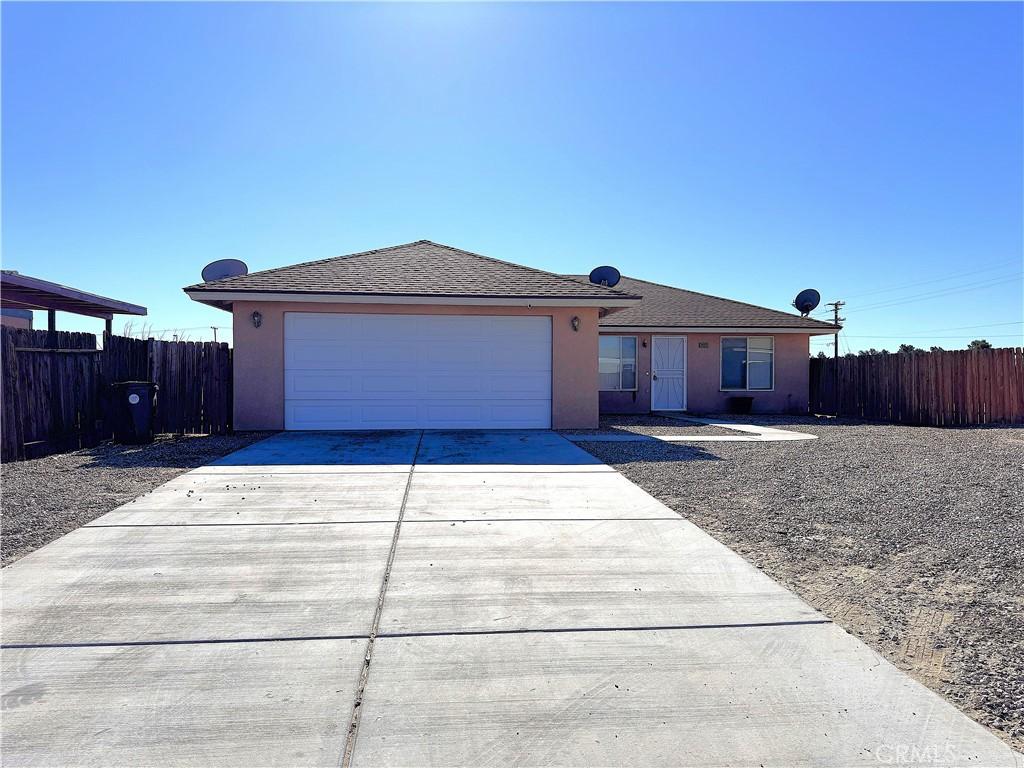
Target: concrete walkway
{"type": "Point", "coordinates": [749, 433]}
{"type": "Point", "coordinates": [435, 599]}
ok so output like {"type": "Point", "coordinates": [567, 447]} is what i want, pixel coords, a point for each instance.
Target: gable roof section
{"type": "Point", "coordinates": [666, 307]}
{"type": "Point", "coordinates": [421, 269]}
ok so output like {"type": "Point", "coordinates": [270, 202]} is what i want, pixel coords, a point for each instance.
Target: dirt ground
{"type": "Point", "coordinates": [42, 499]}
{"type": "Point", "coordinates": [910, 537]}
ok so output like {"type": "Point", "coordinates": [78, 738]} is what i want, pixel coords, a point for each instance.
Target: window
{"type": "Point", "coordinates": [617, 363]}
{"type": "Point", "coordinates": [748, 362]}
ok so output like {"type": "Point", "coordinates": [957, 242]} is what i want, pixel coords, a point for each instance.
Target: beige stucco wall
{"type": "Point", "coordinates": [259, 357]}
{"type": "Point", "coordinates": [11, 321]}
{"type": "Point", "coordinates": [703, 377]}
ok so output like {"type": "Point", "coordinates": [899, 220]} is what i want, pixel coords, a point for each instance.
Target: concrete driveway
{"type": "Point", "coordinates": [435, 598]}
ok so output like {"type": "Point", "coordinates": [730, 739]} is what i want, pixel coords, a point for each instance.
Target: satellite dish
{"type": "Point", "coordinates": [806, 301]}
{"type": "Point", "coordinates": [606, 276]}
{"type": "Point", "coordinates": [217, 270]}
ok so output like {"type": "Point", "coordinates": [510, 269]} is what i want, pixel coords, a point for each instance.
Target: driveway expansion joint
{"type": "Point", "coordinates": [364, 675]}
{"type": "Point", "coordinates": [210, 641]}
{"type": "Point", "coordinates": [567, 630]}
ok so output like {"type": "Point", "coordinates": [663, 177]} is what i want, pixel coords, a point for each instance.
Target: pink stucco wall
{"type": "Point", "coordinates": [703, 377]}
{"type": "Point", "coordinates": [259, 357]}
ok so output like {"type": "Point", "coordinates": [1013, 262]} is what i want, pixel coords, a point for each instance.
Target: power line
{"type": "Point", "coordinates": [951, 276]}
{"type": "Point", "coordinates": [998, 265]}
{"type": "Point", "coordinates": [939, 294]}
{"type": "Point", "coordinates": [968, 327]}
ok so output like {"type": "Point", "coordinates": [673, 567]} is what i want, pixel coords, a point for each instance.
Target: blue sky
{"type": "Point", "coordinates": [873, 151]}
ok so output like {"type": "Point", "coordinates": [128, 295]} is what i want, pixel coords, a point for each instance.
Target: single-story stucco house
{"type": "Point", "coordinates": [429, 336]}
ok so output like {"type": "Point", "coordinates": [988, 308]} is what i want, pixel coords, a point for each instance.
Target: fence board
{"type": "Point", "coordinates": [956, 388]}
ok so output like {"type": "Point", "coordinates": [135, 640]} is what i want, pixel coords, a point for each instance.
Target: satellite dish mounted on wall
{"type": "Point", "coordinates": [217, 270]}
{"type": "Point", "coordinates": [606, 276]}
{"type": "Point", "coordinates": [806, 301]}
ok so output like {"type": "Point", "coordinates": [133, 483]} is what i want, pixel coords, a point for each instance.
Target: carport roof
{"type": "Point", "coordinates": [421, 270]}
{"type": "Point", "coordinates": [666, 307]}
{"type": "Point", "coordinates": [20, 291]}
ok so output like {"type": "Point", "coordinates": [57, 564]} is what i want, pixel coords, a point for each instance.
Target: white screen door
{"type": "Point", "coordinates": [668, 373]}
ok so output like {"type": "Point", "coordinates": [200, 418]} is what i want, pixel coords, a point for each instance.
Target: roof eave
{"type": "Point", "coordinates": [812, 331]}
{"type": "Point", "coordinates": [222, 298]}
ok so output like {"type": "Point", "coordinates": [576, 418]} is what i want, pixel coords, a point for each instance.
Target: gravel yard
{"type": "Point", "coordinates": [45, 498]}
{"type": "Point", "coordinates": [910, 537]}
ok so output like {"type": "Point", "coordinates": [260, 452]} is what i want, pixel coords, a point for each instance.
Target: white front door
{"type": "Point", "coordinates": [366, 371]}
{"type": "Point", "coordinates": [668, 373]}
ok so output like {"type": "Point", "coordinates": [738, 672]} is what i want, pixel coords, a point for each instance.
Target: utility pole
{"type": "Point", "coordinates": [836, 320]}
{"type": "Point", "coordinates": [214, 327]}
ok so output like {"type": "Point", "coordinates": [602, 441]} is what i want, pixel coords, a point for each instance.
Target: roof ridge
{"type": "Point", "coordinates": [733, 301]}
{"type": "Point", "coordinates": [314, 261]}
{"type": "Point", "coordinates": [522, 266]}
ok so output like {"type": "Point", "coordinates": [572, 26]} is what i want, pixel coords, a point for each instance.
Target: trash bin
{"type": "Point", "coordinates": [739, 404]}
{"type": "Point", "coordinates": [134, 406]}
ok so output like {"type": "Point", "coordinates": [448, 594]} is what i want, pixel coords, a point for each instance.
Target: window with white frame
{"type": "Point", "coordinates": [748, 362]}
{"type": "Point", "coordinates": [617, 363]}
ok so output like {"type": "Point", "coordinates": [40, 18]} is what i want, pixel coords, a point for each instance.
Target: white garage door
{"type": "Point", "coordinates": [347, 371]}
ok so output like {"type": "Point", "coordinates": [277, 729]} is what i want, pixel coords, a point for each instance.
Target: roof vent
{"type": "Point", "coordinates": [606, 276]}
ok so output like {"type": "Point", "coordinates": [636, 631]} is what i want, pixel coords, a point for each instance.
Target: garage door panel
{"type": "Point", "coordinates": [378, 384]}
{"type": "Point", "coordinates": [320, 354]}
{"type": "Point", "coordinates": [312, 384]}
{"type": "Point", "coordinates": [416, 371]}
{"type": "Point", "coordinates": [310, 326]}
{"type": "Point", "coordinates": [507, 415]}
{"type": "Point", "coordinates": [328, 415]}
{"type": "Point", "coordinates": [384, 353]}
{"type": "Point", "coordinates": [521, 357]}
{"type": "Point", "coordinates": [518, 385]}
{"type": "Point", "coordinates": [452, 384]}
{"type": "Point", "coordinates": [455, 355]}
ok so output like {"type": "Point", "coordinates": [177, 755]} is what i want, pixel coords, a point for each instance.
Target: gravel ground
{"type": "Point", "coordinates": [43, 499]}
{"type": "Point", "coordinates": [651, 425]}
{"type": "Point", "coordinates": [910, 537]}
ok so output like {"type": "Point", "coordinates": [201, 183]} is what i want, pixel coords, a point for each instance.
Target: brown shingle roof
{"type": "Point", "coordinates": [422, 268]}
{"type": "Point", "coordinates": [665, 306]}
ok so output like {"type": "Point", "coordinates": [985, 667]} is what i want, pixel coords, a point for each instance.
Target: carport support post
{"type": "Point", "coordinates": [56, 425]}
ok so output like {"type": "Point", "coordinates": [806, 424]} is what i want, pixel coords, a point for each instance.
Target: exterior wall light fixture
{"type": "Point", "coordinates": [257, 319]}
{"type": "Point", "coordinates": [575, 323]}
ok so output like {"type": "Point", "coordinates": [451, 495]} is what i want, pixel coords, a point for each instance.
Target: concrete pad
{"type": "Point", "coordinates": [231, 704]}
{"type": "Point", "coordinates": [542, 495]}
{"type": "Point", "coordinates": [322, 452]}
{"type": "Point", "coordinates": [765, 696]}
{"type": "Point", "coordinates": [551, 574]}
{"type": "Point", "coordinates": [199, 499]}
{"type": "Point", "coordinates": [509, 450]}
{"type": "Point", "coordinates": [197, 583]}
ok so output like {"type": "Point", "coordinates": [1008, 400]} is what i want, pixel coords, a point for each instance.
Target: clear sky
{"type": "Point", "coordinates": [873, 151]}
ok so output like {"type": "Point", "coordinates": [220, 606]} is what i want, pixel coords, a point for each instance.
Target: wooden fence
{"type": "Point", "coordinates": [59, 398]}
{"type": "Point", "coordinates": [948, 389]}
